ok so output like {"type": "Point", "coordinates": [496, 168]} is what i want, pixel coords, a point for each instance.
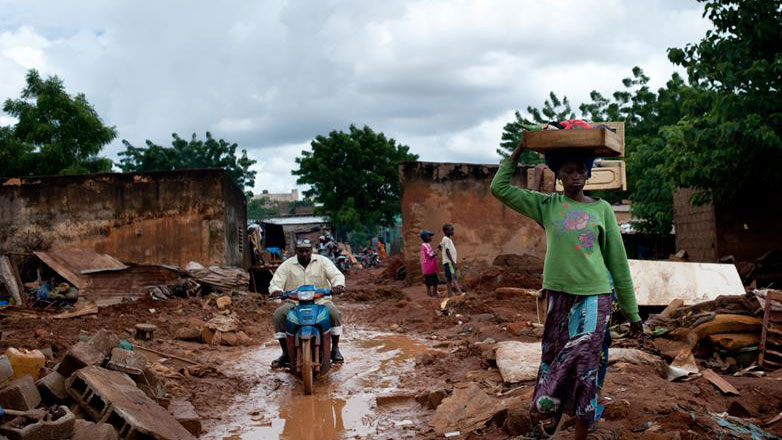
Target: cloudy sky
{"type": "Point", "coordinates": [442, 76]}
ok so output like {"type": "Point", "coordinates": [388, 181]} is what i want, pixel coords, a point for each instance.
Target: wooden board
{"type": "Point", "coordinates": [606, 174]}
{"type": "Point", "coordinates": [604, 142]}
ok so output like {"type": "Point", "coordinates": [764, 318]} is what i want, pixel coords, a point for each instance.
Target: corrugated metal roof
{"type": "Point", "coordinates": [72, 263]}
{"type": "Point", "coordinates": [297, 220]}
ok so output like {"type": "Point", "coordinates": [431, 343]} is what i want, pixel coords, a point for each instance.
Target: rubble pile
{"type": "Point", "coordinates": [725, 333]}
{"type": "Point", "coordinates": [102, 389]}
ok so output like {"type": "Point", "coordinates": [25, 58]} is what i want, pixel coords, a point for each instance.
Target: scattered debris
{"type": "Point", "coordinates": [721, 384]}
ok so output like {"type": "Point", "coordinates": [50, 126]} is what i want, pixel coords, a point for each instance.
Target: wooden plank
{"type": "Point", "coordinates": [604, 142]}
{"type": "Point", "coordinates": [10, 278]}
{"type": "Point", "coordinates": [721, 384]}
{"type": "Point", "coordinates": [72, 263]}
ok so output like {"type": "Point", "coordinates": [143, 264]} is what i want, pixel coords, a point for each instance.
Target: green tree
{"type": "Point", "coordinates": [728, 141]}
{"type": "Point", "coordinates": [195, 153]}
{"type": "Point", "coordinates": [355, 176]}
{"type": "Point", "coordinates": [56, 133]}
{"type": "Point", "coordinates": [553, 109]}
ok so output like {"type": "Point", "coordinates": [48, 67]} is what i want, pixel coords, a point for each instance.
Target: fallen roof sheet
{"type": "Point", "coordinates": [658, 282]}
{"type": "Point", "coordinates": [72, 263]}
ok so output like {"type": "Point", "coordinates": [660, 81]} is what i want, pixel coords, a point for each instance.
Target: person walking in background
{"type": "Point", "coordinates": [449, 260]}
{"type": "Point", "coordinates": [429, 264]}
{"type": "Point", "coordinates": [381, 250]}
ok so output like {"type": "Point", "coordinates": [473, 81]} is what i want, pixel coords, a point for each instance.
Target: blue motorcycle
{"type": "Point", "coordinates": [308, 334]}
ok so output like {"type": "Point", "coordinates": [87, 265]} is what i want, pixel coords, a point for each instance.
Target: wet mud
{"type": "Point", "coordinates": [344, 403]}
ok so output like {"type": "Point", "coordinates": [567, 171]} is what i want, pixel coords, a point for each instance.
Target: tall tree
{"type": "Point", "coordinates": [56, 133]}
{"type": "Point", "coordinates": [355, 176]}
{"type": "Point", "coordinates": [554, 109]}
{"type": "Point", "coordinates": [195, 153]}
{"type": "Point", "coordinates": [729, 140]}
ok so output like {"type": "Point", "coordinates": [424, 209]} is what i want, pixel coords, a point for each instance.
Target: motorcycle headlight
{"type": "Point", "coordinates": [307, 295]}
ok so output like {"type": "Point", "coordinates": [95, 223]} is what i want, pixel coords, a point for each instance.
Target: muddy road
{"type": "Point", "coordinates": [344, 403]}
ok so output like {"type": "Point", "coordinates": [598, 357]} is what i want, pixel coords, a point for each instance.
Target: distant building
{"type": "Point", "coordinates": [300, 227]}
{"type": "Point", "coordinates": [292, 196]}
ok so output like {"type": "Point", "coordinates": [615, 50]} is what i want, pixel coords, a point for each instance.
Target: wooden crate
{"type": "Point", "coordinates": [604, 142]}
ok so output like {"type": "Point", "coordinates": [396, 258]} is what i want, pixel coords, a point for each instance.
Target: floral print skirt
{"type": "Point", "coordinates": [574, 357]}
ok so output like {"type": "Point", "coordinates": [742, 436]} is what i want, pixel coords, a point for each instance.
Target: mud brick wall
{"type": "Point", "coordinates": [169, 217]}
{"type": "Point", "coordinates": [746, 228]}
{"type": "Point", "coordinates": [436, 193]}
{"type": "Point", "coordinates": [696, 228]}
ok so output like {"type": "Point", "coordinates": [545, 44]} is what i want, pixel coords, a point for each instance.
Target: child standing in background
{"type": "Point", "coordinates": [449, 260]}
{"type": "Point", "coordinates": [429, 264]}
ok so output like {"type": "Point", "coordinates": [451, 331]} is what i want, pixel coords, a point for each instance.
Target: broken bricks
{"type": "Point", "coordinates": [184, 412]}
{"type": "Point", "coordinates": [57, 424]}
{"type": "Point", "coordinates": [84, 430]}
{"type": "Point", "coordinates": [112, 397]}
{"type": "Point", "coordinates": [126, 361]}
{"type": "Point", "coordinates": [52, 387]}
{"type": "Point", "coordinates": [20, 394]}
{"type": "Point", "coordinates": [90, 352]}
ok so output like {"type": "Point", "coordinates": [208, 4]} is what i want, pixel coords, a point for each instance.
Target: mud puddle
{"type": "Point", "coordinates": [343, 405]}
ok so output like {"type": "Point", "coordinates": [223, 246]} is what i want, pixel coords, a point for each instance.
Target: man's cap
{"type": "Point", "coordinates": [301, 244]}
{"type": "Point", "coordinates": [424, 233]}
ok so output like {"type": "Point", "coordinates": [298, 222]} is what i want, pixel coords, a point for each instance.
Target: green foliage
{"type": "Point", "coordinates": [645, 113]}
{"type": "Point", "coordinates": [728, 141]}
{"type": "Point", "coordinates": [55, 133]}
{"type": "Point", "coordinates": [355, 176]}
{"type": "Point", "coordinates": [554, 109]}
{"type": "Point", "coordinates": [195, 153]}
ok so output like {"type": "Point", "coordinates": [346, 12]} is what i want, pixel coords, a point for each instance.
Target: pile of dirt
{"type": "Point", "coordinates": [392, 269]}
{"type": "Point", "coordinates": [373, 292]}
{"type": "Point", "coordinates": [496, 276]}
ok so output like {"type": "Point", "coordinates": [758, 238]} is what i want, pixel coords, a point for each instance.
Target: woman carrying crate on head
{"type": "Point", "coordinates": [585, 255]}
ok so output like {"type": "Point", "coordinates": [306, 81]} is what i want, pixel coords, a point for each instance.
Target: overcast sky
{"type": "Point", "coordinates": [442, 76]}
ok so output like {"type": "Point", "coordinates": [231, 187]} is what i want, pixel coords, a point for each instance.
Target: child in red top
{"type": "Point", "coordinates": [429, 264]}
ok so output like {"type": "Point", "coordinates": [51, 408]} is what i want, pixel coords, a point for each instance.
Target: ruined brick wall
{"type": "Point", "coordinates": [438, 193]}
{"type": "Point", "coordinates": [696, 229]}
{"type": "Point", "coordinates": [151, 218]}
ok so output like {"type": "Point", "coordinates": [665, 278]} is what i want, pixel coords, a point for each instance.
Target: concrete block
{"type": "Point", "coordinates": [184, 412]}
{"type": "Point", "coordinates": [52, 387]}
{"type": "Point", "coordinates": [79, 356]}
{"type": "Point", "coordinates": [57, 425]}
{"type": "Point", "coordinates": [126, 361]}
{"type": "Point", "coordinates": [84, 430]}
{"type": "Point", "coordinates": [104, 341]}
{"type": "Point", "coordinates": [112, 397]}
{"type": "Point", "coordinates": [20, 394]}
{"type": "Point", "coordinates": [6, 371]}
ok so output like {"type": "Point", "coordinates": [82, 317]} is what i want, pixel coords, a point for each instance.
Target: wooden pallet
{"type": "Point", "coordinates": [771, 338]}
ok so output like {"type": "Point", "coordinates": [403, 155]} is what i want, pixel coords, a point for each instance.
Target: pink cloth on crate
{"type": "Point", "coordinates": [575, 123]}
{"type": "Point", "coordinates": [428, 259]}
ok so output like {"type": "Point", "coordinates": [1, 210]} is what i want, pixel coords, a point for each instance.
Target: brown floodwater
{"type": "Point", "coordinates": [343, 404]}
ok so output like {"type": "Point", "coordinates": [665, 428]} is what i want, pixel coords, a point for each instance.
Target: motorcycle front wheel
{"type": "Point", "coordinates": [306, 365]}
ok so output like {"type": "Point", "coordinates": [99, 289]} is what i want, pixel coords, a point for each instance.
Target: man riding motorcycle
{"type": "Point", "coordinates": [306, 268]}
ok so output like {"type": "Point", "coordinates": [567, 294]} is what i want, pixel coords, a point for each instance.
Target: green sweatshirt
{"type": "Point", "coordinates": [583, 243]}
